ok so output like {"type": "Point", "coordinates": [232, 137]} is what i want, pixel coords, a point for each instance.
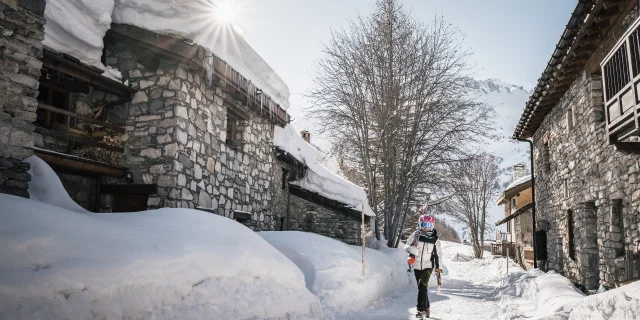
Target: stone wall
{"type": "Point", "coordinates": [585, 175]}
{"type": "Point", "coordinates": [21, 35]}
{"type": "Point", "coordinates": [176, 138]}
{"type": "Point", "coordinates": [310, 217]}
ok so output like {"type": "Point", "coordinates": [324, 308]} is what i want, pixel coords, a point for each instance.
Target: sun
{"type": "Point", "coordinates": [226, 11]}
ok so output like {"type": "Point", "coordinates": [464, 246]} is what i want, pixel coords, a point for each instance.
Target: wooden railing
{"type": "Point", "coordinates": [503, 236]}
{"type": "Point", "coordinates": [83, 137]}
{"type": "Point", "coordinates": [621, 85]}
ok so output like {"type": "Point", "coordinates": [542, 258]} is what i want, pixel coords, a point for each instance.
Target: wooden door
{"type": "Point", "coordinates": [129, 202]}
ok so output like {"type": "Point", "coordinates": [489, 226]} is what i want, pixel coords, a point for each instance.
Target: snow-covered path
{"type": "Point", "coordinates": [468, 291]}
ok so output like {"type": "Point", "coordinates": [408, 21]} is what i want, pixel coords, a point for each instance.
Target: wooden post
{"type": "Point", "coordinates": [507, 259]}
{"type": "Point", "coordinates": [363, 239]}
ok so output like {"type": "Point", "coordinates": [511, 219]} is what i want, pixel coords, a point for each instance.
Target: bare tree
{"type": "Point", "coordinates": [391, 93]}
{"type": "Point", "coordinates": [475, 183]}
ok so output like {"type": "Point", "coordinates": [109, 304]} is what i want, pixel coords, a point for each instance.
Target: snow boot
{"type": "Point", "coordinates": [427, 313]}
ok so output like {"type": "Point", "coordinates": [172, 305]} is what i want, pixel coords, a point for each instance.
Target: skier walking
{"type": "Point", "coordinates": [424, 249]}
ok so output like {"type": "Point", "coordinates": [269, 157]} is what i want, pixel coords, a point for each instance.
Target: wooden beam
{"type": "Point", "coordinates": [57, 62]}
{"type": "Point", "coordinates": [113, 127]}
{"type": "Point", "coordinates": [76, 139]}
{"type": "Point", "coordinates": [77, 165]}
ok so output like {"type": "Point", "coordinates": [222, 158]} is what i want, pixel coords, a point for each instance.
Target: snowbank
{"type": "Point", "coordinates": [620, 303]}
{"type": "Point", "coordinates": [535, 294]}
{"type": "Point", "coordinates": [319, 179]}
{"type": "Point", "coordinates": [157, 264]}
{"type": "Point", "coordinates": [550, 296]}
{"type": "Point", "coordinates": [78, 27]}
{"type": "Point", "coordinates": [45, 186]}
{"type": "Point", "coordinates": [333, 270]}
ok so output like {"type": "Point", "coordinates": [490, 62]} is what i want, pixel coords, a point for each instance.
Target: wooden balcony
{"type": "Point", "coordinates": [621, 86]}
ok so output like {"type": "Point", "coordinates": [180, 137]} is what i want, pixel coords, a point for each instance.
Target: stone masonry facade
{"type": "Point", "coordinates": [583, 185]}
{"type": "Point", "coordinates": [176, 134]}
{"type": "Point", "coordinates": [176, 138]}
{"type": "Point", "coordinates": [21, 35]}
{"type": "Point", "coordinates": [310, 217]}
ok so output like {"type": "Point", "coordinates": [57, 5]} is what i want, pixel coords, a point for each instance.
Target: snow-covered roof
{"type": "Point", "coordinates": [319, 179]}
{"type": "Point", "coordinates": [518, 182]}
{"type": "Point", "coordinates": [513, 185]}
{"type": "Point", "coordinates": [77, 28]}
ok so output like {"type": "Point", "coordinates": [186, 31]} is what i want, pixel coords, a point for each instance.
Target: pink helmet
{"type": "Point", "coordinates": [427, 218]}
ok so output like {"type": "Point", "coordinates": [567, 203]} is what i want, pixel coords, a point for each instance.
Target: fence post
{"type": "Point", "coordinates": [363, 239]}
{"type": "Point", "coordinates": [507, 259]}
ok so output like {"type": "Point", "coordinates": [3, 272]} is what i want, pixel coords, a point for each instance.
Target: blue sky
{"type": "Point", "coordinates": [511, 40]}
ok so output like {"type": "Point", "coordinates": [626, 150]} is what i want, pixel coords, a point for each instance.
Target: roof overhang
{"type": "Point", "coordinates": [584, 32]}
{"type": "Point", "coordinates": [509, 193]}
{"type": "Point", "coordinates": [83, 74]}
{"type": "Point", "coordinates": [514, 215]}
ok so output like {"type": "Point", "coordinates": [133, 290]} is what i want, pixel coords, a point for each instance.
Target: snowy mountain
{"type": "Point", "coordinates": [508, 101]}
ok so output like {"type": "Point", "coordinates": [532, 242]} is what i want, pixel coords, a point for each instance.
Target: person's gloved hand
{"type": "Point", "coordinates": [438, 270]}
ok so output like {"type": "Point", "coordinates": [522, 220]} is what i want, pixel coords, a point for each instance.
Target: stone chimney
{"type": "Point", "coordinates": [306, 136]}
{"type": "Point", "coordinates": [519, 171]}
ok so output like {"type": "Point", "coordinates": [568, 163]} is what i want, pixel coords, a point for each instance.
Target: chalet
{"type": "Point", "coordinates": [583, 120]}
{"type": "Point", "coordinates": [516, 199]}
{"type": "Point", "coordinates": [158, 121]}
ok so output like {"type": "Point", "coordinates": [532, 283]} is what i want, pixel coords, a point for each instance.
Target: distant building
{"type": "Point", "coordinates": [516, 199]}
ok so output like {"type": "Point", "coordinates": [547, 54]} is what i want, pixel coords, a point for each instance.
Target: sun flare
{"type": "Point", "coordinates": [227, 11]}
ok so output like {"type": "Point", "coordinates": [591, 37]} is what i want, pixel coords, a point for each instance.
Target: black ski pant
{"type": "Point", "coordinates": [422, 278]}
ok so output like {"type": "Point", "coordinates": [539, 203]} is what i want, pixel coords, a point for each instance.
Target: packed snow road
{"type": "Point", "coordinates": [468, 290]}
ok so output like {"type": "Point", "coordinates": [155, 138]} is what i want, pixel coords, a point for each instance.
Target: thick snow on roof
{"type": "Point", "coordinates": [319, 179]}
{"type": "Point", "coordinates": [518, 182]}
{"type": "Point", "coordinates": [78, 27]}
{"type": "Point", "coordinates": [156, 264]}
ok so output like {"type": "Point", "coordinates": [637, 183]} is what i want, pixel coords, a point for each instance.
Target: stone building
{"type": "Point", "coordinates": [582, 118]}
{"type": "Point", "coordinates": [516, 199]}
{"type": "Point", "coordinates": [160, 122]}
{"type": "Point", "coordinates": [311, 197]}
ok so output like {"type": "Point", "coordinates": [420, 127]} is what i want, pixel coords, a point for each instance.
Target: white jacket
{"type": "Point", "coordinates": [422, 251]}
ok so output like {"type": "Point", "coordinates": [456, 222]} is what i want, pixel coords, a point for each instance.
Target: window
{"type": "Point", "coordinates": [514, 204]}
{"type": "Point", "coordinates": [285, 173]}
{"type": "Point", "coordinates": [615, 213]}
{"type": "Point", "coordinates": [570, 119]}
{"type": "Point", "coordinates": [546, 157]}
{"type": "Point", "coordinates": [566, 188]}
{"type": "Point", "coordinates": [232, 130]}
{"type": "Point", "coordinates": [509, 226]}
{"type": "Point", "coordinates": [570, 236]}
{"type": "Point", "coordinates": [55, 98]}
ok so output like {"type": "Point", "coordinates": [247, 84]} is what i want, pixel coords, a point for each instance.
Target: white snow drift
{"type": "Point", "coordinates": [319, 179]}
{"type": "Point", "coordinates": [333, 270]}
{"type": "Point", "coordinates": [45, 186]}
{"type": "Point", "coordinates": [550, 296]}
{"type": "Point", "coordinates": [163, 264]}
{"type": "Point", "coordinates": [78, 27]}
